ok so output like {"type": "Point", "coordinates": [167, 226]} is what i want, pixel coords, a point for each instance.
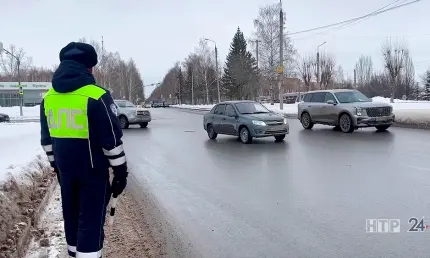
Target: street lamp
{"type": "Point", "coordinates": [216, 68]}
{"type": "Point", "coordinates": [18, 62]}
{"type": "Point", "coordinates": [318, 61]}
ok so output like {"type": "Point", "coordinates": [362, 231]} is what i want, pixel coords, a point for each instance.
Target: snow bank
{"type": "Point", "coordinates": [406, 111]}
{"type": "Point", "coordinates": [20, 146]}
{"type": "Point", "coordinates": [288, 108]}
{"type": "Point", "coordinates": [195, 107]}
{"type": "Point", "coordinates": [24, 179]}
{"type": "Point", "coordinates": [27, 112]}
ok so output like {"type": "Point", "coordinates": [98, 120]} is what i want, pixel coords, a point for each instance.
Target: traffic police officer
{"type": "Point", "coordinates": [81, 135]}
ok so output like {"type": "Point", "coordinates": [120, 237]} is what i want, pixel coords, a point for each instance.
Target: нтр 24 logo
{"type": "Point", "coordinates": [393, 225]}
{"type": "Point", "coordinates": [417, 225]}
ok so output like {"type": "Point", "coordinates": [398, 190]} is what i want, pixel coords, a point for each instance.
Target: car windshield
{"type": "Point", "coordinates": [124, 104]}
{"type": "Point", "coordinates": [251, 108]}
{"type": "Point", "coordinates": [351, 97]}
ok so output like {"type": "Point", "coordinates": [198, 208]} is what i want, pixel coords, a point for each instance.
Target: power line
{"type": "Point", "coordinates": [357, 21]}
{"type": "Point", "coordinates": [375, 13]}
{"type": "Point", "coordinates": [365, 37]}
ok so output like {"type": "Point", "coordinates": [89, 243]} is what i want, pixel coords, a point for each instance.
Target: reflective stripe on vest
{"type": "Point", "coordinates": [66, 113]}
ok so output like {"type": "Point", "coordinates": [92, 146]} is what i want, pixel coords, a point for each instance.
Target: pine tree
{"type": "Point", "coordinates": [240, 73]}
{"type": "Point", "coordinates": [426, 95]}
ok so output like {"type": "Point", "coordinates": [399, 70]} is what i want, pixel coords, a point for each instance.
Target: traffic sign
{"type": "Point", "coordinates": [279, 69]}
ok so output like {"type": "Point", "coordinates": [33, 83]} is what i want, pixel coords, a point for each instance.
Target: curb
{"type": "Point", "coordinates": [24, 120]}
{"type": "Point", "coordinates": [423, 126]}
{"type": "Point", "coordinates": [24, 240]}
{"type": "Point", "coordinates": [45, 201]}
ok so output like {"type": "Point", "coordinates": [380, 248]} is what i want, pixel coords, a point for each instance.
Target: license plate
{"type": "Point", "coordinates": [379, 119]}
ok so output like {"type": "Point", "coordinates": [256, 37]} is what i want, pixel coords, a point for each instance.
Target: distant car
{"type": "Point", "coordinates": [344, 109]}
{"type": "Point", "coordinates": [291, 98]}
{"type": "Point", "coordinates": [129, 114]}
{"type": "Point", "coordinates": [246, 119]}
{"type": "Point", "coordinates": [4, 118]}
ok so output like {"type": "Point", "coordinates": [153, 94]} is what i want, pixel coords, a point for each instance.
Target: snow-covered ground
{"type": "Point", "coordinates": [406, 111]}
{"type": "Point", "coordinates": [27, 112]}
{"type": "Point", "coordinates": [20, 145]}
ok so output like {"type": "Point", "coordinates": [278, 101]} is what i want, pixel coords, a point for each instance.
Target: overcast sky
{"type": "Point", "coordinates": [158, 33]}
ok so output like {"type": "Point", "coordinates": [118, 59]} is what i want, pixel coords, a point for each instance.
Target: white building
{"type": "Point", "coordinates": [33, 93]}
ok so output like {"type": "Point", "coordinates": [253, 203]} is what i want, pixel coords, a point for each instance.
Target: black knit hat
{"type": "Point", "coordinates": [79, 52]}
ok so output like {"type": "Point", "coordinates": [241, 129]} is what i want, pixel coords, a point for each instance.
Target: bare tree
{"type": "Point", "coordinates": [364, 70]}
{"type": "Point", "coordinates": [339, 75]}
{"type": "Point", "coordinates": [407, 76]}
{"type": "Point", "coordinates": [9, 65]}
{"type": "Point", "coordinates": [394, 56]}
{"type": "Point", "coordinates": [206, 66]}
{"type": "Point", "coordinates": [121, 77]}
{"type": "Point", "coordinates": [328, 63]}
{"type": "Point", "coordinates": [267, 32]}
{"type": "Point", "coordinates": [305, 68]}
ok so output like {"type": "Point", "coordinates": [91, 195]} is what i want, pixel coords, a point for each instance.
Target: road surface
{"type": "Point", "coordinates": [309, 196]}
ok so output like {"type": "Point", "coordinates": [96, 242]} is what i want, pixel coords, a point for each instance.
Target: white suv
{"type": "Point", "coordinates": [129, 114]}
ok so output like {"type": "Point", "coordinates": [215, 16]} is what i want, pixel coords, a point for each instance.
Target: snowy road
{"type": "Point", "coordinates": [307, 197]}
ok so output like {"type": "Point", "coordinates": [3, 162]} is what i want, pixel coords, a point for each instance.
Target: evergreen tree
{"type": "Point", "coordinates": [240, 73]}
{"type": "Point", "coordinates": [426, 95]}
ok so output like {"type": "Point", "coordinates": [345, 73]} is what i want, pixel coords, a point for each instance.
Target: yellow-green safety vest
{"type": "Point", "coordinates": [66, 113]}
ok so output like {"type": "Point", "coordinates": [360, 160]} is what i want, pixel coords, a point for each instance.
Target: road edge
{"type": "Point", "coordinates": [175, 242]}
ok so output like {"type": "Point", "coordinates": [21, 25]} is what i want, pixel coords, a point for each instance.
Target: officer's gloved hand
{"type": "Point", "coordinates": [55, 169]}
{"type": "Point", "coordinates": [119, 181]}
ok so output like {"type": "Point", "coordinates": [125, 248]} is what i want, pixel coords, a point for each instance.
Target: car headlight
{"type": "Point", "coordinates": [358, 110]}
{"type": "Point", "coordinates": [261, 123]}
{"type": "Point", "coordinates": [285, 121]}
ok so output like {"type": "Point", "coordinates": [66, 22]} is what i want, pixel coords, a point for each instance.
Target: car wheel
{"type": "Point", "coordinates": [382, 128]}
{"type": "Point", "coordinates": [345, 123]}
{"type": "Point", "coordinates": [123, 122]}
{"type": "Point", "coordinates": [143, 125]}
{"type": "Point", "coordinates": [245, 136]}
{"type": "Point", "coordinates": [211, 132]}
{"type": "Point", "coordinates": [306, 121]}
{"type": "Point", "coordinates": [279, 138]}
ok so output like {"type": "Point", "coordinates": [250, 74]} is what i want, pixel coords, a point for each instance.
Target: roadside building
{"type": "Point", "coordinates": [33, 93]}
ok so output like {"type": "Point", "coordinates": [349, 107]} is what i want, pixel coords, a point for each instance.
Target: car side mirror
{"type": "Point", "coordinates": [331, 102]}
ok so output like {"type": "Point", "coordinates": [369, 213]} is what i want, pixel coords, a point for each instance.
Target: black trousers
{"type": "Point", "coordinates": [85, 195]}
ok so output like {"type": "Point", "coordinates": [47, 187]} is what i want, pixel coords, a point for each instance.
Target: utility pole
{"type": "Point", "coordinates": [18, 63]}
{"type": "Point", "coordinates": [355, 79]}
{"type": "Point", "coordinates": [217, 73]}
{"type": "Point", "coordinates": [179, 88]}
{"type": "Point", "coordinates": [281, 58]}
{"type": "Point", "coordinates": [192, 86]}
{"type": "Point", "coordinates": [318, 63]}
{"type": "Point", "coordinates": [256, 54]}
{"type": "Point", "coordinates": [102, 63]}
{"type": "Point", "coordinates": [216, 69]}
